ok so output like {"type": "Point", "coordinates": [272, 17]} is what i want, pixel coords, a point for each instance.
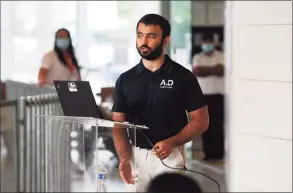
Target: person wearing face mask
{"type": "Point", "coordinates": [157, 93]}
{"type": "Point", "coordinates": [208, 67]}
{"type": "Point", "coordinates": [59, 63]}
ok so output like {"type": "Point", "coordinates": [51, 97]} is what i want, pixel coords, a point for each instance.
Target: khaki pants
{"type": "Point", "coordinates": [147, 166]}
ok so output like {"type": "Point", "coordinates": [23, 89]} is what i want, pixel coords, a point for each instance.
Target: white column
{"type": "Point", "coordinates": [259, 100]}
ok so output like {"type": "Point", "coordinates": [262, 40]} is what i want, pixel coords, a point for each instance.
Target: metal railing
{"type": "Point", "coordinates": [15, 89]}
{"type": "Point", "coordinates": [41, 149]}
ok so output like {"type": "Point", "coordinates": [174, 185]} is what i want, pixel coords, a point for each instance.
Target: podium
{"type": "Point", "coordinates": [69, 151]}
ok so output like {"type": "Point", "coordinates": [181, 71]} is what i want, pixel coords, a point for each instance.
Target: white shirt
{"type": "Point", "coordinates": [210, 84]}
{"type": "Point", "coordinates": [56, 69]}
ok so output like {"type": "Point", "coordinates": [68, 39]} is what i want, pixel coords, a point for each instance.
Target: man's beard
{"type": "Point", "coordinates": [151, 54]}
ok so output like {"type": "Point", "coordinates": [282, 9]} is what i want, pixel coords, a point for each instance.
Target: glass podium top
{"type": "Point", "coordinates": [91, 121]}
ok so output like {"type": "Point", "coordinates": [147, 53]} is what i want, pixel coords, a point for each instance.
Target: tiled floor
{"type": "Point", "coordinates": [87, 182]}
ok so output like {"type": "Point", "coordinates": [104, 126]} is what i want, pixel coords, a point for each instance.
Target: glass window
{"type": "Point", "coordinates": [110, 37]}
{"type": "Point", "coordinates": [29, 34]}
{"type": "Point", "coordinates": [103, 33]}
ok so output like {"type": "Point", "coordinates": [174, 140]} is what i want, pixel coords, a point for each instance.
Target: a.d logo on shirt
{"type": "Point", "coordinates": [166, 84]}
{"type": "Point", "coordinates": [72, 87]}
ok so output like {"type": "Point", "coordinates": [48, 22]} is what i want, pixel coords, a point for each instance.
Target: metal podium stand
{"type": "Point", "coordinates": [59, 161]}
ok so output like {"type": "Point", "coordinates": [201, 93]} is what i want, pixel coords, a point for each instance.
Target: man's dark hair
{"type": "Point", "coordinates": [207, 37]}
{"type": "Point", "coordinates": [70, 50]}
{"type": "Point", "coordinates": [155, 19]}
{"type": "Point", "coordinates": [173, 183]}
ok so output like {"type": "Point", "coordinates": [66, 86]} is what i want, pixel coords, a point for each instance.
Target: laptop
{"type": "Point", "coordinates": [77, 99]}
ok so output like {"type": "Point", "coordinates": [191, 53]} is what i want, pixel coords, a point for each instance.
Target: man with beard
{"type": "Point", "coordinates": [158, 93]}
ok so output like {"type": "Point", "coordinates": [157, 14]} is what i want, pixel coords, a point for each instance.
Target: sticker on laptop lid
{"type": "Point", "coordinates": [72, 87]}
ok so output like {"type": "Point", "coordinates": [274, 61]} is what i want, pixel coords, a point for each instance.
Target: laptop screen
{"type": "Point", "coordinates": [77, 99]}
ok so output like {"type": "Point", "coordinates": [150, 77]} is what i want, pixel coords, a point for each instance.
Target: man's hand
{"type": "Point", "coordinates": [125, 172]}
{"type": "Point", "coordinates": [201, 71]}
{"type": "Point", "coordinates": [162, 149]}
{"type": "Point", "coordinates": [219, 70]}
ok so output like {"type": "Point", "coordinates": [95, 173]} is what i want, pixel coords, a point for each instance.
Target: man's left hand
{"type": "Point", "coordinates": [162, 149]}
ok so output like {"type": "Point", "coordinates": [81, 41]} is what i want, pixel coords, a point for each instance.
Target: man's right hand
{"type": "Point", "coordinates": [125, 172]}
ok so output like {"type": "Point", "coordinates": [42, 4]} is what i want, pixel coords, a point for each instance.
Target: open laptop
{"type": "Point", "coordinates": [77, 99]}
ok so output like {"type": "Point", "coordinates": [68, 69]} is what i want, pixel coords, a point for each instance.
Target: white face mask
{"type": "Point", "coordinates": [62, 43]}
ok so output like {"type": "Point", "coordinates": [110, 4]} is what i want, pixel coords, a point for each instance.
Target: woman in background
{"type": "Point", "coordinates": [59, 63]}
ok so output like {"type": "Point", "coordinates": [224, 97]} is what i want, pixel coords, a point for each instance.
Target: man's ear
{"type": "Point", "coordinates": [166, 41]}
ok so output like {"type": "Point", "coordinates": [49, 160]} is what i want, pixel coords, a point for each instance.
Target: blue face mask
{"type": "Point", "coordinates": [207, 47]}
{"type": "Point", "coordinates": [62, 43]}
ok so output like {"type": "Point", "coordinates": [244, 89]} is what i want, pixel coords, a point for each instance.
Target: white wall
{"type": "Point", "coordinates": [259, 59]}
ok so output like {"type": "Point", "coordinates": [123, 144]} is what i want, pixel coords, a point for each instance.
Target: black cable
{"type": "Point", "coordinates": [183, 169]}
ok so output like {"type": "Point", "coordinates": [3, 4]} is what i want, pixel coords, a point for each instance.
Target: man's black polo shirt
{"type": "Point", "coordinates": [157, 99]}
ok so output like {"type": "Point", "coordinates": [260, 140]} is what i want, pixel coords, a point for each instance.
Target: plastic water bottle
{"type": "Point", "coordinates": [102, 175]}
